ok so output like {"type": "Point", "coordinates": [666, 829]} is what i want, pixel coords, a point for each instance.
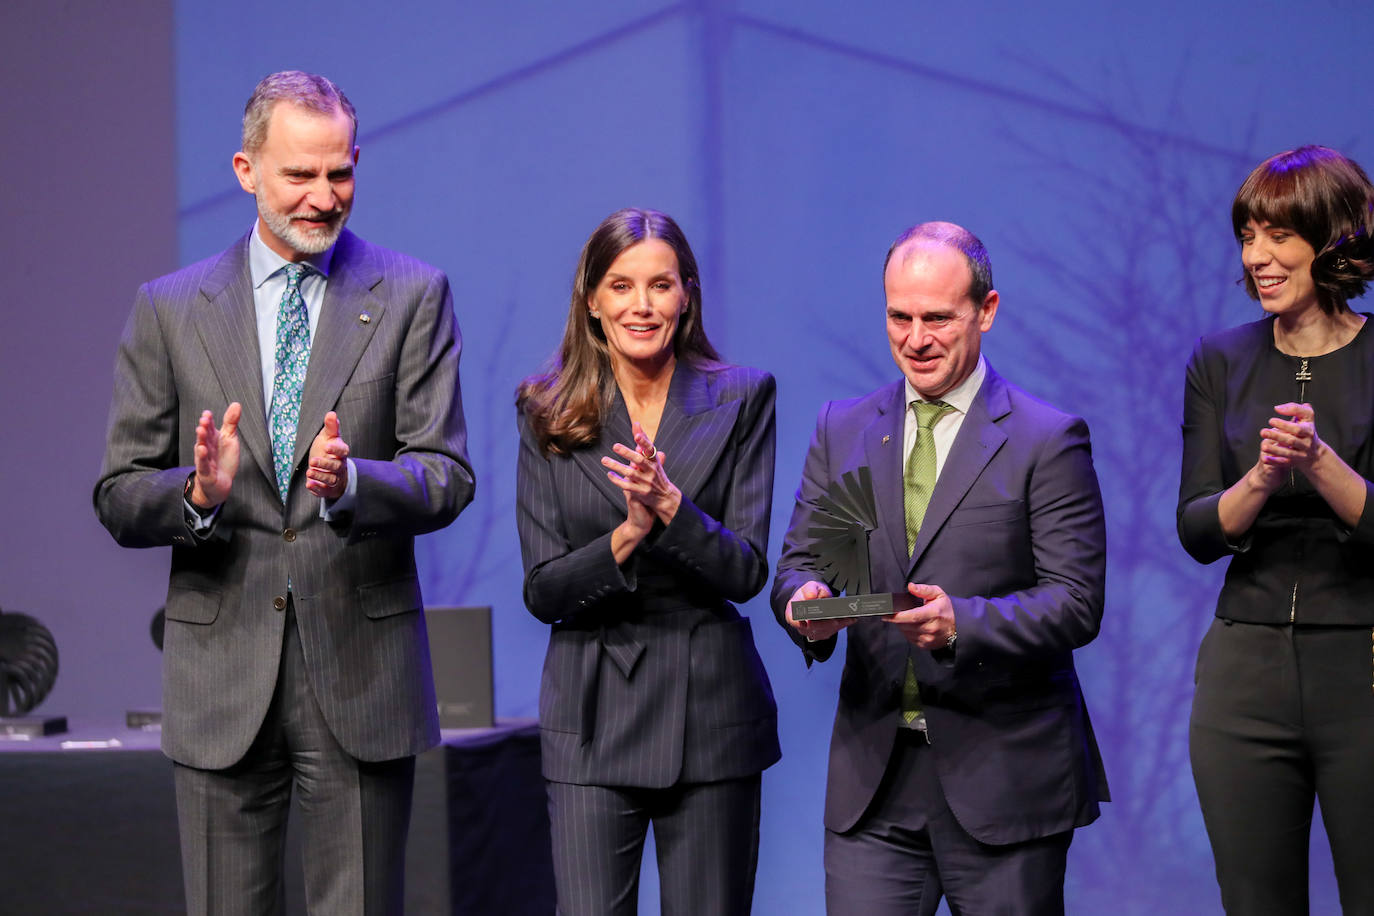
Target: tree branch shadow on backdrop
{"type": "Point", "coordinates": [1140, 266]}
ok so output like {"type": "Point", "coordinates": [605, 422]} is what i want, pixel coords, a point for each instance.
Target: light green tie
{"type": "Point", "coordinates": [918, 482]}
{"type": "Point", "coordinates": [918, 478]}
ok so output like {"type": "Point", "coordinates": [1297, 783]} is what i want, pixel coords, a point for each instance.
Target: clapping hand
{"type": "Point", "coordinates": [327, 474]}
{"type": "Point", "coordinates": [1290, 441]}
{"type": "Point", "coordinates": [641, 475]}
{"type": "Point", "coordinates": [217, 457]}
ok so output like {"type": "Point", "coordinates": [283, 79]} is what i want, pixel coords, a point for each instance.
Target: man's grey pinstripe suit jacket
{"type": "Point", "coordinates": [651, 675]}
{"type": "Point", "coordinates": [385, 357]}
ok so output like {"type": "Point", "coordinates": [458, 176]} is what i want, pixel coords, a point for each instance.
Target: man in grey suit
{"type": "Point", "coordinates": [962, 757]}
{"type": "Point", "coordinates": [295, 651]}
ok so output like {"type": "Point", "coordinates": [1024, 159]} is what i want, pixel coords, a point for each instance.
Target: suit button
{"type": "Point", "coordinates": [279, 603]}
{"type": "Point", "coordinates": [289, 535]}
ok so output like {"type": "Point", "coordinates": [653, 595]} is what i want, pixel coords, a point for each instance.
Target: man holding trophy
{"type": "Point", "coordinates": [962, 756]}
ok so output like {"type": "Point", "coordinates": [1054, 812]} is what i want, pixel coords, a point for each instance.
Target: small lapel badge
{"type": "Point", "coordinates": [886, 439]}
{"type": "Point", "coordinates": [365, 317]}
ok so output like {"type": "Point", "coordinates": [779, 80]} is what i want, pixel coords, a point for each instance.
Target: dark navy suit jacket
{"type": "Point", "coordinates": [651, 675]}
{"type": "Point", "coordinates": [1014, 534]}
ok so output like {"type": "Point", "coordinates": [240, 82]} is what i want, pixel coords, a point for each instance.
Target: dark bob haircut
{"type": "Point", "coordinates": [1326, 199]}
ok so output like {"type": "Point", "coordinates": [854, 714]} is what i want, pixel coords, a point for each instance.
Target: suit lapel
{"type": "Point", "coordinates": [340, 337]}
{"type": "Point", "coordinates": [883, 451]}
{"type": "Point", "coordinates": [978, 440]}
{"type": "Point", "coordinates": [692, 435]}
{"type": "Point", "coordinates": [615, 428]}
{"type": "Point", "coordinates": [228, 329]}
{"type": "Point", "coordinates": [694, 429]}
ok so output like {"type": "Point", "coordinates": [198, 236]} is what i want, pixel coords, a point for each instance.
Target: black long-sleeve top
{"type": "Point", "coordinates": [1298, 563]}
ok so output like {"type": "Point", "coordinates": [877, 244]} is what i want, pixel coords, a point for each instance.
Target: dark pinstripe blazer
{"type": "Point", "coordinates": [651, 675]}
{"type": "Point", "coordinates": [190, 345]}
{"type": "Point", "coordinates": [1015, 536]}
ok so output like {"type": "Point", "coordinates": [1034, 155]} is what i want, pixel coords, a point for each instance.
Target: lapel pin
{"type": "Point", "coordinates": [365, 317]}
{"type": "Point", "coordinates": [886, 439]}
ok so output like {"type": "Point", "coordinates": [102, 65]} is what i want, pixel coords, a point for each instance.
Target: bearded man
{"type": "Point", "coordinates": [287, 418]}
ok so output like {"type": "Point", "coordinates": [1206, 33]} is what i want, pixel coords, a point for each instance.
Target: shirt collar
{"type": "Point", "coordinates": [961, 396]}
{"type": "Point", "coordinates": [263, 262]}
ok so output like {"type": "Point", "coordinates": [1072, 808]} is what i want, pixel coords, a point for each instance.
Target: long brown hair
{"type": "Point", "coordinates": [1327, 200]}
{"type": "Point", "coordinates": [567, 405]}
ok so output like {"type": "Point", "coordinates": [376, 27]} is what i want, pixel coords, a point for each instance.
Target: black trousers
{"type": "Point", "coordinates": [706, 836]}
{"type": "Point", "coordinates": [1284, 715]}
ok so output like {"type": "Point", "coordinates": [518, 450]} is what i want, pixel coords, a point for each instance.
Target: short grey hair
{"type": "Point", "coordinates": [962, 241]}
{"type": "Point", "coordinates": [307, 90]}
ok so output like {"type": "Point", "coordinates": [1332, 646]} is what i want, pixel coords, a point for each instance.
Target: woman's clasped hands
{"type": "Point", "coordinates": [640, 474]}
{"type": "Point", "coordinates": [1290, 441]}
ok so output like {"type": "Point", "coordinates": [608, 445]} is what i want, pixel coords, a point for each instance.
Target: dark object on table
{"type": "Point", "coordinates": [28, 670]}
{"type": "Point", "coordinates": [150, 719]}
{"type": "Point", "coordinates": [28, 663]}
{"type": "Point", "coordinates": [460, 654]}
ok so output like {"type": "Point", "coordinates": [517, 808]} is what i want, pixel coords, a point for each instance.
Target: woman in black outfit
{"type": "Point", "coordinates": [1278, 454]}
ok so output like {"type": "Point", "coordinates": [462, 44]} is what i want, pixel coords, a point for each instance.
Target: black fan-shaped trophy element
{"type": "Point", "coordinates": [28, 670]}
{"type": "Point", "coordinates": [838, 533]}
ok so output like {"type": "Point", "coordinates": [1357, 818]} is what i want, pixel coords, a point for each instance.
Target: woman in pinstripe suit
{"type": "Point", "coordinates": [644, 492]}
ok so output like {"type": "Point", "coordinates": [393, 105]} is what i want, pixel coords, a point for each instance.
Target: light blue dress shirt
{"type": "Point", "coordinates": [266, 271]}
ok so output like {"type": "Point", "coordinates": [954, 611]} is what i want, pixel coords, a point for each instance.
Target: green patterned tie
{"type": "Point", "coordinates": [911, 693]}
{"type": "Point", "coordinates": [918, 482]}
{"type": "Point", "coordinates": [918, 479]}
{"type": "Point", "coordinates": [292, 356]}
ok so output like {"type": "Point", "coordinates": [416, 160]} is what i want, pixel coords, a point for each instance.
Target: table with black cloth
{"type": "Point", "coordinates": [88, 825]}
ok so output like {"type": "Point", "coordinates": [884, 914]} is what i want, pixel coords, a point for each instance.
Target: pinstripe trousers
{"type": "Point", "coordinates": [706, 836]}
{"type": "Point", "coordinates": [354, 815]}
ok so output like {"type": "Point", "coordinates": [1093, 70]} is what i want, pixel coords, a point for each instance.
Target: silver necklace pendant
{"type": "Point", "coordinates": [1302, 374]}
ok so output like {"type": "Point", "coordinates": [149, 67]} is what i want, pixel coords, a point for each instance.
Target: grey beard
{"type": "Point", "coordinates": [306, 242]}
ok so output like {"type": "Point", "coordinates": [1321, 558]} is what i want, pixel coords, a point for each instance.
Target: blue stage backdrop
{"type": "Point", "coordinates": [1094, 148]}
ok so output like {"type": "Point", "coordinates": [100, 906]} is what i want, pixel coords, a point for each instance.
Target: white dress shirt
{"type": "Point", "coordinates": [960, 397]}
